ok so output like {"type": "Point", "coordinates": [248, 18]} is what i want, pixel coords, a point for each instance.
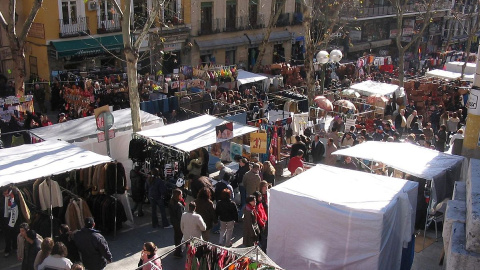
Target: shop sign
{"type": "Point", "coordinates": [393, 33]}
{"type": "Point", "coordinates": [224, 131]}
{"type": "Point", "coordinates": [37, 30]}
{"type": "Point", "coordinates": [409, 23]}
{"type": "Point", "coordinates": [407, 31]}
{"type": "Point", "coordinates": [258, 143]}
{"type": "Point", "coordinates": [172, 47]}
{"type": "Point", "coordinates": [472, 104]}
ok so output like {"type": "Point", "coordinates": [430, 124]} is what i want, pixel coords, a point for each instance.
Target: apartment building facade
{"type": "Point", "coordinates": [227, 32]}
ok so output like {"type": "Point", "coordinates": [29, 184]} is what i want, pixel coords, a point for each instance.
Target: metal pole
{"type": "Point", "coordinates": [107, 139]}
{"type": "Point", "coordinates": [115, 218]}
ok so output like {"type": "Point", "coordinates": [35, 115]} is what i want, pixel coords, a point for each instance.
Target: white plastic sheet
{"type": "Point", "coordinates": [415, 160]}
{"type": "Point", "coordinates": [193, 133]}
{"type": "Point", "coordinates": [443, 74]}
{"type": "Point", "coordinates": [368, 88]}
{"type": "Point", "coordinates": [332, 218]}
{"type": "Point", "coordinates": [86, 127]}
{"type": "Point", "coordinates": [31, 161]}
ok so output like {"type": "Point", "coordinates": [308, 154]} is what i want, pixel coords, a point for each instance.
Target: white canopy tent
{"type": "Point", "coordinates": [245, 77]}
{"type": "Point", "coordinates": [368, 88]}
{"type": "Point", "coordinates": [193, 133]}
{"type": "Point", "coordinates": [83, 133]}
{"type": "Point", "coordinates": [348, 220]}
{"type": "Point", "coordinates": [457, 67]}
{"type": "Point", "coordinates": [443, 169]}
{"type": "Point", "coordinates": [443, 74]}
{"type": "Point", "coordinates": [81, 129]}
{"type": "Point", "coordinates": [32, 161]}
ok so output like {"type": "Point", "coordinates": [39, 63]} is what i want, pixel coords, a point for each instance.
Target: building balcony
{"type": "Point", "coordinates": [256, 22]}
{"type": "Point", "coordinates": [108, 24]}
{"type": "Point", "coordinates": [355, 13]}
{"type": "Point", "coordinates": [208, 27]}
{"type": "Point", "coordinates": [74, 27]}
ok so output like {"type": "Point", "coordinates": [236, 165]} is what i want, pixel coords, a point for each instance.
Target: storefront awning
{"type": "Point", "coordinates": [280, 36]}
{"type": "Point", "coordinates": [212, 44]}
{"type": "Point", "coordinates": [88, 46]}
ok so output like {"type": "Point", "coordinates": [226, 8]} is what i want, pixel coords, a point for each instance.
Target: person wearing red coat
{"type": "Point", "coordinates": [262, 220]}
{"type": "Point", "coordinates": [296, 162]}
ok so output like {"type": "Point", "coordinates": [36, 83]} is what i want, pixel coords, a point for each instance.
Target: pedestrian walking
{"type": "Point", "coordinates": [93, 247]}
{"type": "Point", "coordinates": [251, 230]}
{"type": "Point", "coordinates": [32, 247]}
{"type": "Point", "coordinates": [57, 259]}
{"type": "Point", "coordinates": [206, 209]}
{"type": "Point", "coordinates": [176, 208]}
{"type": "Point", "coordinates": [149, 258]}
{"type": "Point", "coordinates": [45, 250]}
{"type": "Point", "coordinates": [227, 213]}
{"type": "Point", "coordinates": [192, 224]}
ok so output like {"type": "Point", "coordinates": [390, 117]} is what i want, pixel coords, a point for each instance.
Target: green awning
{"type": "Point", "coordinates": [88, 46]}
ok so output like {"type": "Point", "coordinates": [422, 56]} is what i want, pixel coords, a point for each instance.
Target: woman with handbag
{"type": "Point", "coordinates": [251, 230]}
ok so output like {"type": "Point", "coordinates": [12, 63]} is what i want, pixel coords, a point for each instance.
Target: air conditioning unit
{"type": "Point", "coordinates": [92, 5]}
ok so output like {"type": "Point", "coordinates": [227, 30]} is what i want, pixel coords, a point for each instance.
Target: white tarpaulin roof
{"type": "Point", "coordinates": [457, 67]}
{"type": "Point", "coordinates": [332, 218]}
{"type": "Point", "coordinates": [415, 160]}
{"type": "Point", "coordinates": [368, 88]}
{"type": "Point", "coordinates": [83, 128]}
{"type": "Point", "coordinates": [244, 77]}
{"type": "Point", "coordinates": [443, 74]}
{"type": "Point", "coordinates": [193, 133]}
{"type": "Point", "coordinates": [32, 161]}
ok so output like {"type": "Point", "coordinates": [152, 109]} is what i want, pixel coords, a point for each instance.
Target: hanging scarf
{"type": "Point", "coordinates": [11, 209]}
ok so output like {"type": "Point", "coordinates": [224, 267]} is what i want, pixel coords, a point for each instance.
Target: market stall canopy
{"type": "Point", "coordinates": [193, 133]}
{"type": "Point", "coordinates": [415, 160]}
{"type": "Point", "coordinates": [32, 161]}
{"type": "Point", "coordinates": [368, 88]}
{"type": "Point", "coordinates": [443, 74]}
{"type": "Point", "coordinates": [88, 46]}
{"type": "Point", "coordinates": [357, 220]}
{"type": "Point", "coordinates": [245, 77]}
{"type": "Point", "coordinates": [457, 67]}
{"type": "Point", "coordinates": [84, 128]}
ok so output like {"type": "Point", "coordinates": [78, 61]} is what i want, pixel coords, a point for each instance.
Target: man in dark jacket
{"type": "Point", "coordinates": [32, 247]}
{"type": "Point", "coordinates": [92, 246]}
{"type": "Point", "coordinates": [156, 194]}
{"type": "Point", "coordinates": [298, 145]}
{"type": "Point", "coordinates": [318, 150]}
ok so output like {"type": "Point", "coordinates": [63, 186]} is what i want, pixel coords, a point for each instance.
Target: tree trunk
{"type": "Point", "coordinates": [401, 66]}
{"type": "Point", "coordinates": [18, 58]}
{"type": "Point", "coordinates": [310, 51]}
{"type": "Point", "coordinates": [132, 60]}
{"type": "Point", "coordinates": [263, 45]}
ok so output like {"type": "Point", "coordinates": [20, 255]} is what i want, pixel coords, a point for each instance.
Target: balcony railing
{"type": "Point", "coordinates": [354, 12]}
{"type": "Point", "coordinates": [108, 24]}
{"type": "Point", "coordinates": [77, 26]}
{"type": "Point", "coordinates": [210, 27]}
{"type": "Point", "coordinates": [256, 22]}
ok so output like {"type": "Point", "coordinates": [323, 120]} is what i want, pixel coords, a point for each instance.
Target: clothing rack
{"type": "Point", "coordinates": [150, 141]}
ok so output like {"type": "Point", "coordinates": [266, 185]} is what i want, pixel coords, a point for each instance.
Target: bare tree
{"type": "Point", "coordinates": [275, 12]}
{"type": "Point", "coordinates": [402, 6]}
{"type": "Point", "coordinates": [17, 42]}
{"type": "Point", "coordinates": [474, 17]}
{"type": "Point", "coordinates": [131, 50]}
{"type": "Point", "coordinates": [319, 32]}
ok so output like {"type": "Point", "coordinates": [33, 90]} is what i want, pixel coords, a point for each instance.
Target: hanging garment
{"type": "Point", "coordinates": [50, 194]}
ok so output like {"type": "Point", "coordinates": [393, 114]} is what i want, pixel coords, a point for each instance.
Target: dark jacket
{"type": "Point", "coordinates": [176, 210]}
{"type": "Point", "coordinates": [156, 189]}
{"type": "Point", "coordinates": [30, 254]}
{"type": "Point", "coordinates": [297, 146]}
{"type": "Point", "coordinates": [242, 170]}
{"type": "Point", "coordinates": [317, 151]}
{"type": "Point", "coordinates": [198, 184]}
{"type": "Point", "coordinates": [93, 247]}
{"type": "Point", "coordinates": [227, 211]}
{"type": "Point", "coordinates": [207, 211]}
{"type": "Point", "coordinates": [73, 254]}
{"type": "Point", "coordinates": [137, 186]}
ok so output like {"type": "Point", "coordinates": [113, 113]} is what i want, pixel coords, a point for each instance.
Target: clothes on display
{"type": "Point", "coordinates": [49, 194]}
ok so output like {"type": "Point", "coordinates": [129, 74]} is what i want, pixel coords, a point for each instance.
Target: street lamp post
{"type": "Point", "coordinates": [323, 57]}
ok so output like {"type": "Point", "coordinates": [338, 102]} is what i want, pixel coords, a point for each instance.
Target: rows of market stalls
{"type": "Point", "coordinates": [68, 159]}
